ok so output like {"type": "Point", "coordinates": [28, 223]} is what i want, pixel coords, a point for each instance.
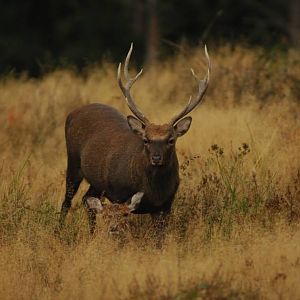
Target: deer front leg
{"type": "Point", "coordinates": [92, 203]}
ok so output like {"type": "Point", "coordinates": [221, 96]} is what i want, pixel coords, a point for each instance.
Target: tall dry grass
{"type": "Point", "coordinates": [234, 231]}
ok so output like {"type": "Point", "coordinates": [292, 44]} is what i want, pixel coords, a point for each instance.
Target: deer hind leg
{"type": "Point", "coordinates": [73, 180]}
{"type": "Point", "coordinates": [91, 211]}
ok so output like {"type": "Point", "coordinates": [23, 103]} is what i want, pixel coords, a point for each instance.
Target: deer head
{"type": "Point", "coordinates": [159, 140]}
{"type": "Point", "coordinates": [115, 215]}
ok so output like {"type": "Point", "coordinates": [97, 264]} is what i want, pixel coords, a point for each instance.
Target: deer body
{"type": "Point", "coordinates": [104, 150]}
{"type": "Point", "coordinates": [122, 157]}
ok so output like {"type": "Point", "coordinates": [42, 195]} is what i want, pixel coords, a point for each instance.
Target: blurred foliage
{"type": "Point", "coordinates": [234, 228]}
{"type": "Point", "coordinates": [36, 35]}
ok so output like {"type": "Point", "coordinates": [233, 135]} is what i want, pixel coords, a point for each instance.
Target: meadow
{"type": "Point", "coordinates": [234, 231]}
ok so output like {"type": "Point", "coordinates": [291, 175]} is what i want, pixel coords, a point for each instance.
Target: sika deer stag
{"type": "Point", "coordinates": [120, 156]}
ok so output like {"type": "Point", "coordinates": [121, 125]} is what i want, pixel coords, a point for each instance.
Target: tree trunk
{"type": "Point", "coordinates": [152, 41]}
{"type": "Point", "coordinates": [138, 23]}
{"type": "Point", "coordinates": [295, 22]}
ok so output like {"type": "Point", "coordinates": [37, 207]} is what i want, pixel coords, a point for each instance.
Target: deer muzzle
{"type": "Point", "coordinates": [156, 160]}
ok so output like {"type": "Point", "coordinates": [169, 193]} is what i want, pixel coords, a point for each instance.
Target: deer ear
{"type": "Point", "coordinates": [135, 201]}
{"type": "Point", "coordinates": [136, 125]}
{"type": "Point", "coordinates": [183, 126]}
{"type": "Point", "coordinates": [94, 204]}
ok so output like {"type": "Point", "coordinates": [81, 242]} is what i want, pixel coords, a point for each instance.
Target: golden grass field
{"type": "Point", "coordinates": [234, 231]}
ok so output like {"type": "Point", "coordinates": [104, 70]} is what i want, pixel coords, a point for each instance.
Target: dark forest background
{"type": "Point", "coordinates": [38, 35]}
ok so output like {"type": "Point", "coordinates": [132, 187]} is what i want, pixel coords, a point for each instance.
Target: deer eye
{"type": "Point", "coordinates": [146, 141]}
{"type": "Point", "coordinates": [171, 141]}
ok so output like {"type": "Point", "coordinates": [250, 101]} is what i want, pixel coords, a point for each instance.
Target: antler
{"type": "Point", "coordinates": [203, 84]}
{"type": "Point", "coordinates": [129, 83]}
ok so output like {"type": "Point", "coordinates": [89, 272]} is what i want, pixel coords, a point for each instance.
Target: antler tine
{"type": "Point", "coordinates": [129, 83]}
{"type": "Point", "coordinates": [202, 87]}
{"type": "Point", "coordinates": [126, 73]}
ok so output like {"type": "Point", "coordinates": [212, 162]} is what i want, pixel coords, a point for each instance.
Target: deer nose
{"type": "Point", "coordinates": [156, 158]}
